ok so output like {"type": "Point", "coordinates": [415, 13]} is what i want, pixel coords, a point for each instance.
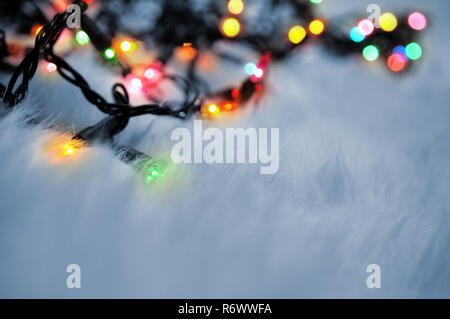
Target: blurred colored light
{"type": "Point", "coordinates": [371, 53]}
{"type": "Point", "coordinates": [51, 67]}
{"type": "Point", "coordinates": [187, 52]}
{"type": "Point", "coordinates": [125, 46]}
{"type": "Point", "coordinates": [413, 51]}
{"type": "Point", "coordinates": [60, 5]}
{"type": "Point", "coordinates": [82, 37]}
{"type": "Point", "coordinates": [235, 6]}
{"type": "Point", "coordinates": [213, 109]}
{"type": "Point", "coordinates": [149, 73]}
{"type": "Point", "coordinates": [366, 27]}
{"type": "Point", "coordinates": [152, 74]}
{"type": "Point", "coordinates": [417, 21]}
{"type": "Point", "coordinates": [315, 1]}
{"type": "Point", "coordinates": [109, 54]}
{"type": "Point", "coordinates": [396, 62]}
{"type": "Point", "coordinates": [235, 94]}
{"type": "Point", "coordinates": [316, 27]}
{"type": "Point", "coordinates": [400, 49]}
{"type": "Point", "coordinates": [356, 35]}
{"type": "Point", "coordinates": [250, 68]}
{"type": "Point", "coordinates": [258, 73]}
{"type": "Point", "coordinates": [136, 83]}
{"type": "Point", "coordinates": [231, 27]}
{"type": "Point", "coordinates": [388, 22]}
{"type": "Point", "coordinates": [296, 34]}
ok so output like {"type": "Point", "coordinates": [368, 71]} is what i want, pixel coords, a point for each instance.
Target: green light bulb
{"type": "Point", "coordinates": [109, 54]}
{"type": "Point", "coordinates": [413, 51]}
{"type": "Point", "coordinates": [371, 53]}
{"type": "Point", "coordinates": [82, 38]}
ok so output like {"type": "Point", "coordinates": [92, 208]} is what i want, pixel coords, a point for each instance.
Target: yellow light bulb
{"type": "Point", "coordinates": [69, 148]}
{"type": "Point", "coordinates": [235, 6]}
{"type": "Point", "coordinates": [213, 109]}
{"type": "Point", "coordinates": [388, 22]}
{"type": "Point", "coordinates": [231, 27]}
{"type": "Point", "coordinates": [125, 46]}
{"type": "Point", "coordinates": [296, 34]}
{"type": "Point", "coordinates": [316, 27]}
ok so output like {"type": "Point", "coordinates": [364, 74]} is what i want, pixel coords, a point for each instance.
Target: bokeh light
{"type": "Point", "coordinates": [236, 6]}
{"type": "Point", "coordinates": [397, 62]}
{"type": "Point", "coordinates": [388, 22]}
{"type": "Point", "coordinates": [258, 73]}
{"type": "Point", "coordinates": [213, 109]}
{"type": "Point", "coordinates": [82, 37]}
{"type": "Point", "coordinates": [413, 51]}
{"type": "Point", "coordinates": [316, 27]}
{"type": "Point", "coordinates": [315, 1]}
{"type": "Point", "coordinates": [109, 54]}
{"type": "Point", "coordinates": [297, 34]}
{"type": "Point", "coordinates": [400, 49]}
{"type": "Point", "coordinates": [366, 27]}
{"type": "Point", "coordinates": [125, 46]}
{"type": "Point", "coordinates": [231, 27]}
{"type": "Point", "coordinates": [136, 83]}
{"type": "Point", "coordinates": [417, 21]}
{"type": "Point", "coordinates": [51, 67]}
{"type": "Point", "coordinates": [356, 35]}
{"type": "Point", "coordinates": [371, 53]}
{"type": "Point", "coordinates": [249, 68]}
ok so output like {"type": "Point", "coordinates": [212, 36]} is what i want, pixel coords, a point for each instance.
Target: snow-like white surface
{"type": "Point", "coordinates": [364, 178]}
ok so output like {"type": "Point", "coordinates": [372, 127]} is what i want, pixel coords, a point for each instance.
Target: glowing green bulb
{"type": "Point", "coordinates": [153, 172]}
{"type": "Point", "coordinates": [109, 54]}
{"type": "Point", "coordinates": [81, 37]}
{"type": "Point", "coordinates": [371, 53]}
{"type": "Point", "coordinates": [158, 172]}
{"type": "Point", "coordinates": [413, 51]}
{"type": "Point", "coordinates": [315, 1]}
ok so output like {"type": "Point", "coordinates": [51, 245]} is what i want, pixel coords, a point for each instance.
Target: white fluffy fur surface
{"type": "Point", "coordinates": [364, 179]}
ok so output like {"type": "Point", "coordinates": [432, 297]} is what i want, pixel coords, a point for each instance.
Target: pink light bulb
{"type": "Point", "coordinates": [417, 21]}
{"type": "Point", "coordinates": [366, 27]}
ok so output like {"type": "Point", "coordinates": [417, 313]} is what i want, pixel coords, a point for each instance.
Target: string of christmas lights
{"type": "Point", "coordinates": [183, 30]}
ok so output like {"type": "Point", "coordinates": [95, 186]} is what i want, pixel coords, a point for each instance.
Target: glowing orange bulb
{"type": "Point", "coordinates": [186, 52]}
{"type": "Point", "coordinates": [316, 27]}
{"type": "Point", "coordinates": [236, 6]}
{"type": "Point", "coordinates": [69, 148]}
{"type": "Point", "coordinates": [229, 106]}
{"type": "Point", "coordinates": [213, 109]}
{"type": "Point", "coordinates": [231, 27]}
